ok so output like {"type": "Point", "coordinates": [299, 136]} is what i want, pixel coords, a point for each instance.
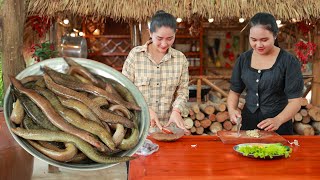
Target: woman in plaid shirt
{"type": "Point", "coordinates": [160, 72]}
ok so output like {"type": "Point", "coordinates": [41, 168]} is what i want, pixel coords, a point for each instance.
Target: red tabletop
{"type": "Point", "coordinates": [211, 159]}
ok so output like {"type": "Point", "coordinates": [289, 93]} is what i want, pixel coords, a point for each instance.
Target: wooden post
{"type": "Point", "coordinates": [13, 13]}
{"type": "Point", "coordinates": [315, 98]}
{"type": "Point", "coordinates": [145, 36]}
{"type": "Point", "coordinates": [199, 91]}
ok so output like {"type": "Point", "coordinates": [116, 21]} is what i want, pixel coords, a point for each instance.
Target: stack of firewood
{"type": "Point", "coordinates": [208, 118]}
{"type": "Point", "coordinates": [307, 120]}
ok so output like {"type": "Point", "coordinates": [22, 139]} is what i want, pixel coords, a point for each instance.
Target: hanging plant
{"type": "Point", "coordinates": [39, 24]}
{"type": "Point", "coordinates": [304, 50]}
{"type": "Point", "coordinates": [43, 51]}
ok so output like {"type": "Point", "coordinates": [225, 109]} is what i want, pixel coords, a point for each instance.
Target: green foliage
{"type": "Point", "coordinates": [44, 51]}
{"type": "Point", "coordinates": [265, 150]}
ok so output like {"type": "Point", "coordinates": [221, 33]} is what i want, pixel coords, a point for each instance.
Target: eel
{"type": "Point", "coordinates": [69, 93]}
{"type": "Point", "coordinates": [67, 81]}
{"type": "Point", "coordinates": [53, 116]}
{"type": "Point", "coordinates": [47, 135]}
{"type": "Point", "coordinates": [76, 119]}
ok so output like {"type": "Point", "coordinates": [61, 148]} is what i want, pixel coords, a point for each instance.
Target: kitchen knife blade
{"type": "Point", "coordinates": [238, 125]}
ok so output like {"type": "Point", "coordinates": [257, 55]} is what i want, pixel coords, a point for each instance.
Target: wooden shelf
{"type": "Point", "coordinates": [193, 68]}
{"type": "Point", "coordinates": [187, 36]}
{"type": "Point", "coordinates": [109, 54]}
{"type": "Point", "coordinates": [191, 53]}
{"type": "Point", "coordinates": [195, 58]}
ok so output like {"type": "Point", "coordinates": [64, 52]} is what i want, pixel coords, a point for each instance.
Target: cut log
{"type": "Point", "coordinates": [314, 113]}
{"type": "Point", "coordinates": [240, 105]}
{"type": "Point", "coordinates": [222, 116]}
{"type": "Point", "coordinates": [199, 130]}
{"type": "Point", "coordinates": [303, 129]}
{"type": "Point", "coordinates": [220, 107]}
{"type": "Point", "coordinates": [193, 129]}
{"type": "Point", "coordinates": [309, 106]}
{"type": "Point", "coordinates": [191, 112]}
{"type": "Point", "coordinates": [188, 123]}
{"type": "Point", "coordinates": [185, 112]}
{"type": "Point", "coordinates": [303, 112]}
{"type": "Point", "coordinates": [215, 127]}
{"type": "Point", "coordinates": [205, 123]}
{"type": "Point", "coordinates": [207, 108]}
{"type": "Point", "coordinates": [306, 119]}
{"type": "Point", "coordinates": [199, 116]}
{"type": "Point", "coordinates": [195, 108]}
{"type": "Point", "coordinates": [227, 125]}
{"type": "Point", "coordinates": [298, 117]}
{"type": "Point", "coordinates": [214, 96]}
{"type": "Point", "coordinates": [197, 123]}
{"type": "Point", "coordinates": [316, 126]}
{"type": "Point", "coordinates": [212, 117]}
{"type": "Point", "coordinates": [193, 116]}
{"type": "Point", "coordinates": [304, 102]}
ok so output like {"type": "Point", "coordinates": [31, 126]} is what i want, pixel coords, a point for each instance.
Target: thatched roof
{"type": "Point", "coordinates": [142, 9]}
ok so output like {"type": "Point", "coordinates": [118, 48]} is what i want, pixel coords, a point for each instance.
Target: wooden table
{"type": "Point", "coordinates": [211, 159]}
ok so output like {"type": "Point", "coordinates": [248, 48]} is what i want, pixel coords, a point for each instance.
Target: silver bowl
{"type": "Point", "coordinates": [97, 68]}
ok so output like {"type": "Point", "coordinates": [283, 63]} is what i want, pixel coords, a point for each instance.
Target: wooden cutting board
{"type": "Point", "coordinates": [231, 137]}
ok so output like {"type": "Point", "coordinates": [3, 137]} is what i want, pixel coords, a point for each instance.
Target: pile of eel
{"type": "Point", "coordinates": [75, 117]}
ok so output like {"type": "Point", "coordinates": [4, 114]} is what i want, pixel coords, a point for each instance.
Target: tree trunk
{"type": "Point", "coordinates": [13, 14]}
{"type": "Point", "coordinates": [15, 163]}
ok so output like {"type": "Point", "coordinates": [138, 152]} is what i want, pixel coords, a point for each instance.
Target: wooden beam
{"type": "Point", "coordinates": [215, 87]}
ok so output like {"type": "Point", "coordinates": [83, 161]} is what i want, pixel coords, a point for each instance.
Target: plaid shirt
{"type": "Point", "coordinates": [163, 85]}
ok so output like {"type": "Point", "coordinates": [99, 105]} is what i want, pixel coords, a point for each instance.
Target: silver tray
{"type": "Point", "coordinates": [97, 68]}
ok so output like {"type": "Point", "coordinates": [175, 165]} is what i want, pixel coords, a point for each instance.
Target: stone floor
{"type": "Point", "coordinates": [40, 172]}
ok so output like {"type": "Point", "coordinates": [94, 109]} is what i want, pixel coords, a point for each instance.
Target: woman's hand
{"type": "Point", "coordinates": [234, 114]}
{"type": "Point", "coordinates": [154, 119]}
{"type": "Point", "coordinates": [270, 124]}
{"type": "Point", "coordinates": [176, 118]}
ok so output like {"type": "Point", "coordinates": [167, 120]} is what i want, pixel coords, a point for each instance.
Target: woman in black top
{"type": "Point", "coordinates": [271, 77]}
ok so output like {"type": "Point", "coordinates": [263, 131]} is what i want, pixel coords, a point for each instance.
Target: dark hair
{"type": "Point", "coordinates": [161, 18]}
{"type": "Point", "coordinates": [266, 20]}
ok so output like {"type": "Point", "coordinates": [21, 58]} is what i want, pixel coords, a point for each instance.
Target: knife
{"type": "Point", "coordinates": [238, 125]}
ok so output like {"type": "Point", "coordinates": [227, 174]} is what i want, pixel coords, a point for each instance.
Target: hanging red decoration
{"type": "Point", "coordinates": [228, 35]}
{"type": "Point", "coordinates": [228, 46]}
{"type": "Point", "coordinates": [231, 56]}
{"type": "Point", "coordinates": [305, 27]}
{"type": "Point", "coordinates": [39, 24]}
{"type": "Point", "coordinates": [227, 65]}
{"type": "Point", "coordinates": [304, 50]}
{"type": "Point", "coordinates": [225, 53]}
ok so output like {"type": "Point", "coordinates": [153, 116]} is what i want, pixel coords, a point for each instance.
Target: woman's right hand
{"type": "Point", "coordinates": [154, 119]}
{"type": "Point", "coordinates": [234, 114]}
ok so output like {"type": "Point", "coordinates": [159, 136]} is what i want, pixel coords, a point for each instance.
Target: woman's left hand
{"type": "Point", "coordinates": [270, 124]}
{"type": "Point", "coordinates": [177, 119]}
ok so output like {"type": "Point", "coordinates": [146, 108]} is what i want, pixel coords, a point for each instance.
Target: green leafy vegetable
{"type": "Point", "coordinates": [265, 150]}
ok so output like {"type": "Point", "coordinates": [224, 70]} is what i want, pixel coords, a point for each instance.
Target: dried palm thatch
{"type": "Point", "coordinates": [142, 9]}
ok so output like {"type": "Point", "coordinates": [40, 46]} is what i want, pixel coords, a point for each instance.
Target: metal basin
{"type": "Point", "coordinates": [97, 68]}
